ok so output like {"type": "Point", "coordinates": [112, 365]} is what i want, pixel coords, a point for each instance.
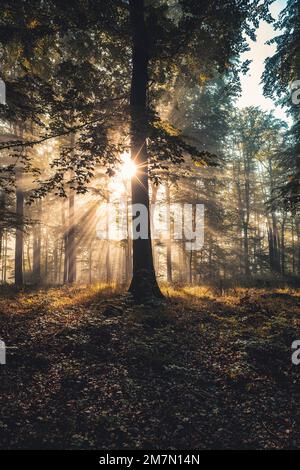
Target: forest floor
{"type": "Point", "coordinates": [86, 369]}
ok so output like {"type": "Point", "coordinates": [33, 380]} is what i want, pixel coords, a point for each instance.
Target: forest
{"type": "Point", "coordinates": [149, 224]}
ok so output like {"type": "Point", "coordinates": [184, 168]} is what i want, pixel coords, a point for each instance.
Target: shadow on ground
{"type": "Point", "coordinates": [91, 370]}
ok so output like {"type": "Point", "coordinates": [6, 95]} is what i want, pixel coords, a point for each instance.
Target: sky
{"type": "Point", "coordinates": [252, 89]}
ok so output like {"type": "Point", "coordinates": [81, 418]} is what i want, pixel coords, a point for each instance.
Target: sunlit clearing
{"type": "Point", "coordinates": [128, 167]}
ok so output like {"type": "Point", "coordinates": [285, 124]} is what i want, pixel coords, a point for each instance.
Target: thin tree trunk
{"type": "Point", "coordinates": [70, 238]}
{"type": "Point", "coordinates": [271, 249]}
{"type": "Point", "coordinates": [210, 256]}
{"type": "Point", "coordinates": [91, 263]}
{"type": "Point", "coordinates": [247, 215]}
{"type": "Point", "coordinates": [276, 244]}
{"type": "Point", "coordinates": [60, 260]}
{"type": "Point", "coordinates": [71, 241]}
{"type": "Point", "coordinates": [46, 261]}
{"type": "Point", "coordinates": [5, 258]}
{"type": "Point", "coordinates": [19, 247]}
{"type": "Point", "coordinates": [246, 250]}
{"type": "Point", "coordinates": [66, 258]}
{"type": "Point", "coordinates": [153, 202]}
{"type": "Point", "coordinates": [55, 262]}
{"type": "Point", "coordinates": [183, 265]}
{"type": "Point", "coordinates": [65, 243]}
{"type": "Point", "coordinates": [298, 245]}
{"type": "Point", "coordinates": [108, 267]}
{"type": "Point", "coordinates": [191, 267]}
{"type": "Point", "coordinates": [28, 256]}
{"type": "Point", "coordinates": [2, 209]}
{"type": "Point", "coordinates": [169, 242]}
{"type": "Point", "coordinates": [283, 248]}
{"type": "Point", "coordinates": [37, 246]}
{"type": "Point", "coordinates": [128, 244]}
{"type": "Point", "coordinates": [293, 248]}
{"type": "Point", "coordinates": [1, 252]}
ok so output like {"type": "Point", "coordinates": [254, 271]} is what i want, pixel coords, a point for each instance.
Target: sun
{"type": "Point", "coordinates": [118, 185]}
{"type": "Point", "coordinates": [128, 167]}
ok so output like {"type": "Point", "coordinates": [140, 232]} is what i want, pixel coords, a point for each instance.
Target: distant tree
{"type": "Point", "coordinates": [74, 60]}
{"type": "Point", "coordinates": [281, 72]}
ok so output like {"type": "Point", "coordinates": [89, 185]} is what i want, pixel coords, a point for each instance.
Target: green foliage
{"type": "Point", "coordinates": [71, 75]}
{"type": "Point", "coordinates": [281, 71]}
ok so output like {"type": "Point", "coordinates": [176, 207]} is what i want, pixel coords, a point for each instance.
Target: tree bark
{"type": "Point", "coordinates": [107, 262]}
{"type": "Point", "coordinates": [298, 245]}
{"type": "Point", "coordinates": [71, 241]}
{"type": "Point", "coordinates": [4, 265]}
{"type": "Point", "coordinates": [37, 246]}
{"type": "Point", "coordinates": [169, 240]}
{"type": "Point", "coordinates": [65, 242]}
{"type": "Point", "coordinates": [2, 209]}
{"type": "Point", "coordinates": [293, 248]}
{"type": "Point", "coordinates": [144, 284]}
{"type": "Point", "coordinates": [19, 248]}
{"type": "Point", "coordinates": [247, 163]}
{"type": "Point", "coordinates": [283, 247]}
{"type": "Point", "coordinates": [91, 263]}
{"type": "Point", "coordinates": [128, 244]}
{"type": "Point", "coordinates": [246, 250]}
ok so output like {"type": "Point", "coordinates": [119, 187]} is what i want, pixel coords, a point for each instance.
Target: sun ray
{"type": "Point", "coordinates": [128, 167]}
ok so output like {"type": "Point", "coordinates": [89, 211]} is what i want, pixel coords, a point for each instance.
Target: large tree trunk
{"type": "Point", "coordinates": [19, 248]}
{"type": "Point", "coordinates": [143, 284]}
